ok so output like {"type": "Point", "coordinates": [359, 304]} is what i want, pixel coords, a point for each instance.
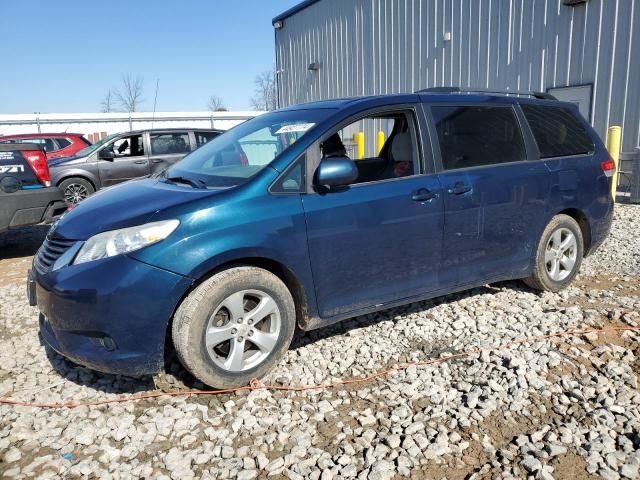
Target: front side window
{"type": "Point", "coordinates": [235, 156]}
{"type": "Point", "coordinates": [557, 131]}
{"type": "Point", "coordinates": [383, 146]}
{"type": "Point", "coordinates": [130, 146]}
{"type": "Point", "coordinates": [169, 143]}
{"type": "Point", "coordinates": [473, 136]}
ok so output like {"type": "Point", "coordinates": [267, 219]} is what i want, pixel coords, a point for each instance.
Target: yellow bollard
{"type": "Point", "coordinates": [614, 135]}
{"type": "Point", "coordinates": [358, 139]}
{"type": "Point", "coordinates": [380, 142]}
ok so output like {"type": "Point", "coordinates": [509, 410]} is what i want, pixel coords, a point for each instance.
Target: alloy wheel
{"type": "Point", "coordinates": [561, 254]}
{"type": "Point", "coordinates": [75, 193]}
{"type": "Point", "coordinates": [243, 330]}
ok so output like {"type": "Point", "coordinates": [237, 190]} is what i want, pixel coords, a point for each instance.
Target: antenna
{"type": "Point", "coordinates": [155, 101]}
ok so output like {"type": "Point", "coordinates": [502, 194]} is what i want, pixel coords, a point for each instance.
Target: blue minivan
{"type": "Point", "coordinates": [311, 214]}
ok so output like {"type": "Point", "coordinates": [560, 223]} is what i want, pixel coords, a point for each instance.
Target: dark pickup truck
{"type": "Point", "coordinates": [26, 194]}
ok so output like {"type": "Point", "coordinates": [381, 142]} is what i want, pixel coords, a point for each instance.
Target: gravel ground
{"type": "Point", "coordinates": [564, 408]}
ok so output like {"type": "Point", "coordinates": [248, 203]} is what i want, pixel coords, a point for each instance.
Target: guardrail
{"type": "Point", "coordinates": [68, 122]}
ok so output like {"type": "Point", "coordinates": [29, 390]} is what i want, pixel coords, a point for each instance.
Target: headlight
{"type": "Point", "coordinates": [115, 242]}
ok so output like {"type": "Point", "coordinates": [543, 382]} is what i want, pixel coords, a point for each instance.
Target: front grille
{"type": "Point", "coordinates": [51, 249]}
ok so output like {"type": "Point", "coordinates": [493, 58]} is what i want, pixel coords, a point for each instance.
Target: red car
{"type": "Point", "coordinates": [55, 144]}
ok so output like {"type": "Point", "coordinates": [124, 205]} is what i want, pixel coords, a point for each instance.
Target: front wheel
{"type": "Point", "coordinates": [235, 326]}
{"type": "Point", "coordinates": [75, 190]}
{"type": "Point", "coordinates": [558, 256]}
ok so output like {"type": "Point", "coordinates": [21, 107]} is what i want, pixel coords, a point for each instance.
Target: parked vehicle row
{"type": "Point", "coordinates": [80, 168]}
{"type": "Point", "coordinates": [26, 195]}
{"type": "Point", "coordinates": [272, 226]}
{"type": "Point", "coordinates": [123, 156]}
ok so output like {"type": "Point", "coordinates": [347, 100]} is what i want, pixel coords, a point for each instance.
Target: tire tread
{"type": "Point", "coordinates": [539, 279]}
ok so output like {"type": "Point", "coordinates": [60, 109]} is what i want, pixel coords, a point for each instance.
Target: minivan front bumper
{"type": "Point", "coordinates": [111, 314]}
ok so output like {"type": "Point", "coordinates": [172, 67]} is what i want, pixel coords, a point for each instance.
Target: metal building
{"type": "Point", "coordinates": [586, 51]}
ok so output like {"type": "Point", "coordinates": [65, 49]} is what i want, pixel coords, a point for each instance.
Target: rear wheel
{"type": "Point", "coordinates": [75, 190]}
{"type": "Point", "coordinates": [235, 326]}
{"type": "Point", "coordinates": [559, 255]}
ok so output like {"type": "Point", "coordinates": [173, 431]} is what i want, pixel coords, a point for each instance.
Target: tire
{"type": "Point", "coordinates": [75, 189]}
{"type": "Point", "coordinates": [555, 268]}
{"type": "Point", "coordinates": [222, 306]}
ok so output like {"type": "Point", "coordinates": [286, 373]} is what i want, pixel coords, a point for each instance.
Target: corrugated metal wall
{"type": "Point", "coordinates": [388, 46]}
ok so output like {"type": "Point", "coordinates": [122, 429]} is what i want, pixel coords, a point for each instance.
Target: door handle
{"type": "Point", "coordinates": [423, 195]}
{"type": "Point", "coordinates": [140, 161]}
{"type": "Point", "coordinates": [459, 188]}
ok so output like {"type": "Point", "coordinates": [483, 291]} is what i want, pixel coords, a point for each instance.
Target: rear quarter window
{"type": "Point", "coordinates": [557, 131]}
{"type": "Point", "coordinates": [204, 137]}
{"type": "Point", "coordinates": [63, 142]}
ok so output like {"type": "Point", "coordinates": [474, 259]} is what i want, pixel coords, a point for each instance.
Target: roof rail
{"type": "Point", "coordinates": [540, 95]}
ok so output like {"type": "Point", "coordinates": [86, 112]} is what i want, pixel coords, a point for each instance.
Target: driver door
{"type": "Point", "coordinates": [130, 161]}
{"type": "Point", "coordinates": [379, 239]}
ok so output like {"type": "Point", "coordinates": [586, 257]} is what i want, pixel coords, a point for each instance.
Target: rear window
{"type": "Point", "coordinates": [557, 131]}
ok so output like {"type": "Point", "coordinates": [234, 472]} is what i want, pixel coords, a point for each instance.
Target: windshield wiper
{"type": "Point", "coordinates": [194, 183]}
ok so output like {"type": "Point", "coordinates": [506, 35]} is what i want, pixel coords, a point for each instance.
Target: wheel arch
{"type": "Point", "coordinates": [81, 174]}
{"type": "Point", "coordinates": [583, 222]}
{"type": "Point", "coordinates": [284, 273]}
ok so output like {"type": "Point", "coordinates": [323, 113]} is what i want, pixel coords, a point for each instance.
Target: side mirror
{"type": "Point", "coordinates": [106, 154]}
{"type": "Point", "coordinates": [336, 172]}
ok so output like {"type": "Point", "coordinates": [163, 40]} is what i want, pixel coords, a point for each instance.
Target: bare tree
{"type": "Point", "coordinates": [264, 97]}
{"type": "Point", "coordinates": [216, 104]}
{"type": "Point", "coordinates": [107, 103]}
{"type": "Point", "coordinates": [129, 95]}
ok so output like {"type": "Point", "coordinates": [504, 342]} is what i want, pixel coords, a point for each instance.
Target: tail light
{"type": "Point", "coordinates": [608, 167]}
{"type": "Point", "coordinates": [37, 160]}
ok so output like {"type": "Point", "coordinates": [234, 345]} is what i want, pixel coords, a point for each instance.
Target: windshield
{"type": "Point", "coordinates": [92, 148]}
{"type": "Point", "coordinates": [237, 155]}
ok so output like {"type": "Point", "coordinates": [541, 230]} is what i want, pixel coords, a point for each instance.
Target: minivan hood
{"type": "Point", "coordinates": [125, 205]}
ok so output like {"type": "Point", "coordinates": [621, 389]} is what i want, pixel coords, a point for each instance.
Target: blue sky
{"type": "Point", "coordinates": [64, 56]}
